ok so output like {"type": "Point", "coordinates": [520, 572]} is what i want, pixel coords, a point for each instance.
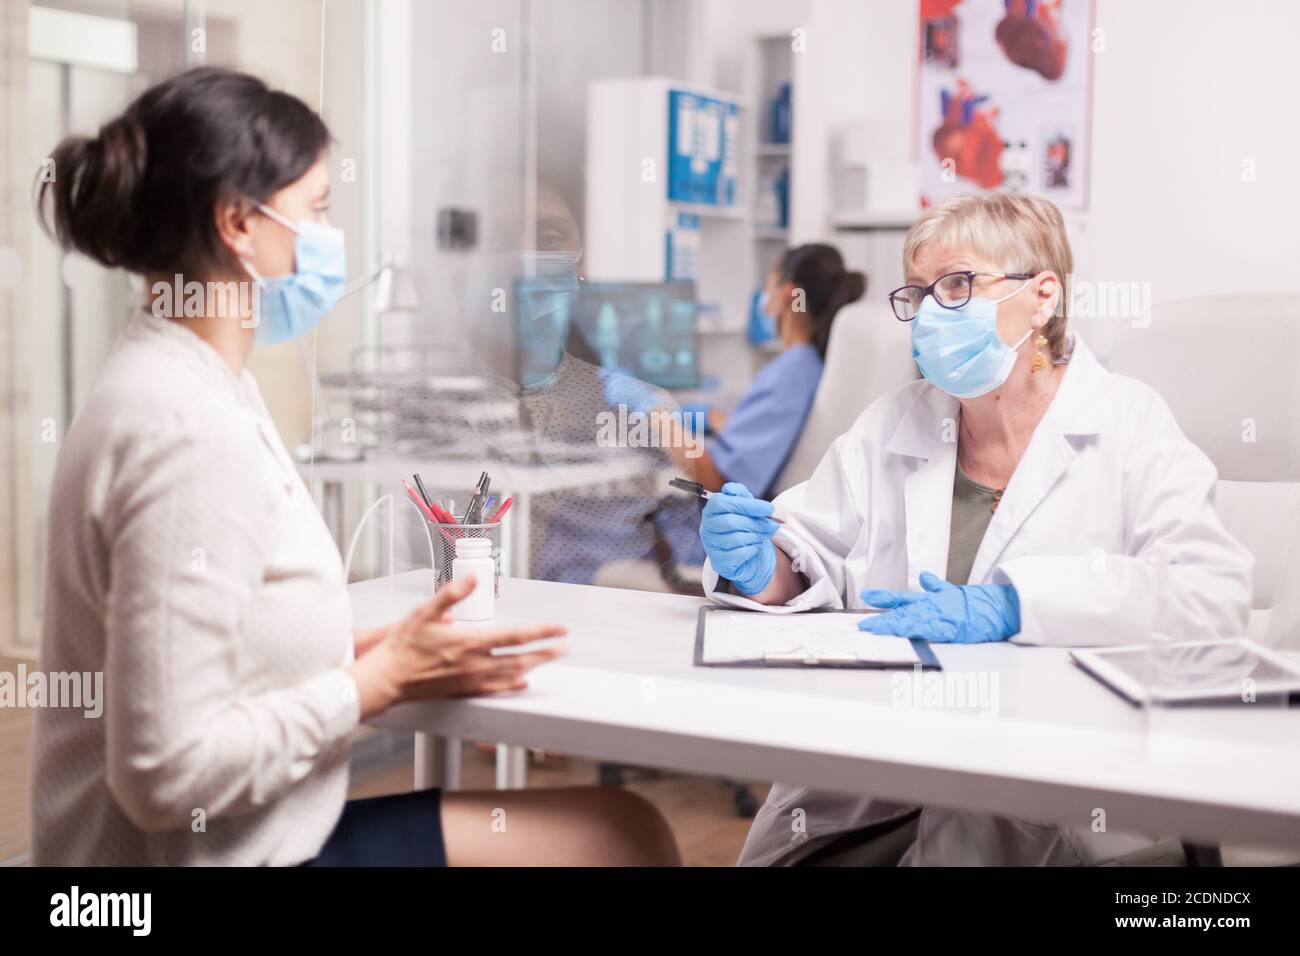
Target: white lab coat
{"type": "Point", "coordinates": [1108, 490]}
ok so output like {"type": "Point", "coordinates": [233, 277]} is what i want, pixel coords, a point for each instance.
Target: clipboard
{"type": "Point", "coordinates": [925, 655]}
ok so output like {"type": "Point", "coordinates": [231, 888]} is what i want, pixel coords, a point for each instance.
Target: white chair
{"type": "Point", "coordinates": [870, 354]}
{"type": "Point", "coordinates": [1227, 367]}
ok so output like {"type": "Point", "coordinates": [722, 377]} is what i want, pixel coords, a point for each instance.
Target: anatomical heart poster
{"type": "Point", "coordinates": [1004, 97]}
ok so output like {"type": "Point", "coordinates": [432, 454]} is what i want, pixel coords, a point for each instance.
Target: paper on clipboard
{"type": "Point", "coordinates": [733, 636]}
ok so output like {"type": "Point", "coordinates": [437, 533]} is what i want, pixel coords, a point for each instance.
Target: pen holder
{"type": "Point", "coordinates": [445, 537]}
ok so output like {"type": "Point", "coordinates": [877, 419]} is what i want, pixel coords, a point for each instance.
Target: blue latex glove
{"type": "Point", "coordinates": [621, 388]}
{"type": "Point", "coordinates": [946, 613]}
{"type": "Point", "coordinates": [737, 531]}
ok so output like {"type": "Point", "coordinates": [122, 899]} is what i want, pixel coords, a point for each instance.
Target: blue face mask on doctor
{"type": "Point", "coordinates": [959, 350]}
{"type": "Point", "coordinates": [291, 305]}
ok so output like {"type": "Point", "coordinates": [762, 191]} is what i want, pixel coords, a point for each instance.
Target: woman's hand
{"type": "Point", "coordinates": [367, 639]}
{"type": "Point", "coordinates": [428, 655]}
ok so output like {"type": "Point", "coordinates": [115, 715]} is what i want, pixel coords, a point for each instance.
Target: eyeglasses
{"type": "Point", "coordinates": [952, 291]}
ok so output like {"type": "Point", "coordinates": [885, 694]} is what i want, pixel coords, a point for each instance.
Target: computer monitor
{"type": "Point", "coordinates": [645, 329]}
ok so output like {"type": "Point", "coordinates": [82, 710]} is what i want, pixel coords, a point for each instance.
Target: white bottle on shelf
{"type": "Point", "coordinates": [474, 557]}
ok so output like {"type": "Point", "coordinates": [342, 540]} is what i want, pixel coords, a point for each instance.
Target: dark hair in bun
{"type": "Point", "coordinates": [818, 269]}
{"type": "Point", "coordinates": [142, 194]}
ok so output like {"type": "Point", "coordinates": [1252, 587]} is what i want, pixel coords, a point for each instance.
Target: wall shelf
{"type": "Point", "coordinates": [658, 152]}
{"type": "Point", "coordinates": [712, 212]}
{"type": "Point", "coordinates": [770, 65]}
{"type": "Point", "coordinates": [888, 221]}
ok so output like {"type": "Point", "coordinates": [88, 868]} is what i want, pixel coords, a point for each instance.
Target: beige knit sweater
{"type": "Point", "coordinates": [188, 564]}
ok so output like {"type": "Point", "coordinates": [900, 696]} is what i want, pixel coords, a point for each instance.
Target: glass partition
{"type": "Point", "coordinates": [488, 333]}
{"type": "Point", "coordinates": [501, 353]}
{"type": "Point", "coordinates": [68, 67]}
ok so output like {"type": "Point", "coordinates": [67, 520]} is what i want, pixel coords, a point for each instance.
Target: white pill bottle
{"type": "Point", "coordinates": [474, 557]}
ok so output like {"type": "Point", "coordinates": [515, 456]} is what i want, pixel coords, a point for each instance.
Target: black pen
{"type": "Point", "coordinates": [419, 485]}
{"type": "Point", "coordinates": [475, 500]}
{"type": "Point", "coordinates": [699, 491]}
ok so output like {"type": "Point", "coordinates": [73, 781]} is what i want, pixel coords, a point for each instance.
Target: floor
{"type": "Point", "coordinates": [699, 809]}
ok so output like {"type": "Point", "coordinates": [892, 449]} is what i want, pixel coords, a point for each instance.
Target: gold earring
{"type": "Point", "coordinates": [1039, 361]}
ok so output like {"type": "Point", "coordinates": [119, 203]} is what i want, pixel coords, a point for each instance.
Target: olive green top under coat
{"type": "Point", "coordinates": [972, 509]}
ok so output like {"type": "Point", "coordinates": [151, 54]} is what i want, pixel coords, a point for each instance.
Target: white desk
{"type": "Point", "coordinates": [1059, 746]}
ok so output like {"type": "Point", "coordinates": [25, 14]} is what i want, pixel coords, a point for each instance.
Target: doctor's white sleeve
{"type": "Point", "coordinates": [1170, 522]}
{"type": "Point", "coordinates": [188, 526]}
{"type": "Point", "coordinates": [823, 518]}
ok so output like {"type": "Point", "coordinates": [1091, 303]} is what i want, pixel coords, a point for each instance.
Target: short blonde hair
{"type": "Point", "coordinates": [1018, 232]}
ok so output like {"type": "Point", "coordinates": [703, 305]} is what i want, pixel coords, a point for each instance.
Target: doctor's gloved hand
{"type": "Point", "coordinates": [737, 531]}
{"type": "Point", "coordinates": [945, 613]}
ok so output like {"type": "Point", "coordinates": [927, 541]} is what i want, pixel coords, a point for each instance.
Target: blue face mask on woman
{"type": "Point", "coordinates": [292, 305]}
{"type": "Point", "coordinates": [959, 350]}
{"type": "Point", "coordinates": [546, 297]}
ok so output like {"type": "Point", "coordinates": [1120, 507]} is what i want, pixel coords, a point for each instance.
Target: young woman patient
{"type": "Point", "coordinates": [188, 563]}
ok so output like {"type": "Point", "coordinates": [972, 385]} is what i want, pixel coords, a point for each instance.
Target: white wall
{"type": "Point", "coordinates": [472, 127]}
{"type": "Point", "coordinates": [576, 42]}
{"type": "Point", "coordinates": [1184, 93]}
{"type": "Point", "coordinates": [450, 117]}
{"type": "Point", "coordinates": [861, 55]}
{"type": "Point", "coordinates": [859, 66]}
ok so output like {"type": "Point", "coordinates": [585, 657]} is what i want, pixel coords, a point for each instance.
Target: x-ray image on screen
{"type": "Point", "coordinates": [646, 330]}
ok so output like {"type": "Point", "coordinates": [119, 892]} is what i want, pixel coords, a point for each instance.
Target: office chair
{"type": "Point", "coordinates": [1225, 365]}
{"type": "Point", "coordinates": [869, 355]}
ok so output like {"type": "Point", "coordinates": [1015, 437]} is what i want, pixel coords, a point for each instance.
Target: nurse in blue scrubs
{"type": "Point", "coordinates": [804, 291]}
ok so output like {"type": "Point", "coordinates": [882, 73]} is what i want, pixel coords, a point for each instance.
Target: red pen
{"type": "Point", "coordinates": [419, 502]}
{"type": "Point", "coordinates": [501, 512]}
{"type": "Point", "coordinates": [430, 515]}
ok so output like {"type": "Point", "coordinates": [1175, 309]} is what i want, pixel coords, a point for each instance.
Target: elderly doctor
{"type": "Point", "coordinates": [1019, 492]}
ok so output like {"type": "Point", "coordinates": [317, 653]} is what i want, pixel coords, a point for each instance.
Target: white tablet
{"type": "Point", "coordinates": [1187, 672]}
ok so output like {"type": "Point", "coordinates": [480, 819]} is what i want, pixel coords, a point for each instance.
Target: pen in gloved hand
{"type": "Point", "coordinates": [699, 491]}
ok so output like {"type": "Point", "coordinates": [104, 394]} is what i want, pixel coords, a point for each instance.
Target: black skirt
{"type": "Point", "coordinates": [403, 829]}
